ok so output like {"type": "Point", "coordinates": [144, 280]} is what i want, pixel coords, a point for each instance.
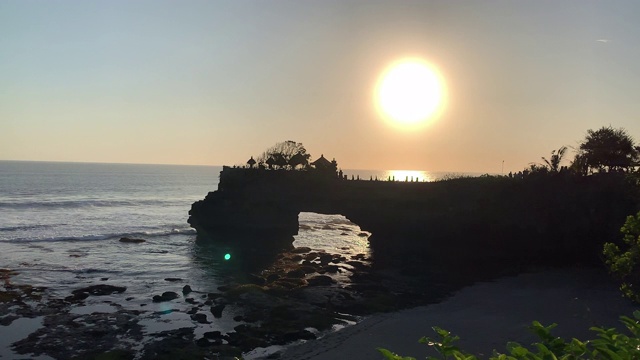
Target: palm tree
{"type": "Point", "coordinates": [553, 163]}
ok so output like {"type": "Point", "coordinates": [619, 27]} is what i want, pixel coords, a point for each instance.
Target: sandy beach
{"type": "Point", "coordinates": [485, 315]}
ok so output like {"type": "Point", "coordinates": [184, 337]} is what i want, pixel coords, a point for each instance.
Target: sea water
{"type": "Point", "coordinates": [60, 225]}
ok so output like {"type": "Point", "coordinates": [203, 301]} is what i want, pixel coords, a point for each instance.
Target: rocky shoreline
{"type": "Point", "coordinates": [302, 294]}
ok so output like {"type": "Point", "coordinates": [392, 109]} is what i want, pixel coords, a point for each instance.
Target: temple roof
{"type": "Point", "coordinates": [322, 162]}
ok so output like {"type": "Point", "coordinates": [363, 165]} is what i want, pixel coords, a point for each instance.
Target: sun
{"type": "Point", "coordinates": [409, 92]}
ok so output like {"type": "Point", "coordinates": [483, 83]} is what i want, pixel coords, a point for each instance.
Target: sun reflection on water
{"type": "Point", "coordinates": [408, 175]}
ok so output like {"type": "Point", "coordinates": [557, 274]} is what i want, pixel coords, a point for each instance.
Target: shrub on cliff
{"type": "Point", "coordinates": [625, 265]}
{"type": "Point", "coordinates": [609, 344]}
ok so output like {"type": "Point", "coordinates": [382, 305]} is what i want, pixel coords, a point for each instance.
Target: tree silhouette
{"type": "Point", "coordinates": [285, 154]}
{"type": "Point", "coordinates": [579, 165]}
{"type": "Point", "coordinates": [553, 163]}
{"type": "Point", "coordinates": [608, 149]}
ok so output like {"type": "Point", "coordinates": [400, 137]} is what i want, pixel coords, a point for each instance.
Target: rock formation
{"type": "Point", "coordinates": [466, 222]}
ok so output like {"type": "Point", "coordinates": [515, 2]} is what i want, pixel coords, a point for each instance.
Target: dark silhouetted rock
{"type": "Point", "coordinates": [101, 289]}
{"type": "Point", "coordinates": [203, 342]}
{"type": "Point", "coordinates": [213, 335]}
{"type": "Point", "coordinates": [298, 335]}
{"type": "Point", "coordinates": [77, 297]}
{"type": "Point", "coordinates": [186, 289]}
{"type": "Point", "coordinates": [217, 310]}
{"type": "Point", "coordinates": [166, 296]}
{"type": "Point", "coordinates": [332, 269]}
{"type": "Point", "coordinates": [297, 273]}
{"type": "Point", "coordinates": [200, 318]}
{"type": "Point", "coordinates": [172, 279]}
{"type": "Point", "coordinates": [301, 250]}
{"type": "Point", "coordinates": [131, 240]}
{"type": "Point", "coordinates": [194, 310]}
{"type": "Point", "coordinates": [320, 280]}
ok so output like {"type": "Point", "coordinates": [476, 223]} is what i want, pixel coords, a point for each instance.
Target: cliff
{"type": "Point", "coordinates": [467, 222]}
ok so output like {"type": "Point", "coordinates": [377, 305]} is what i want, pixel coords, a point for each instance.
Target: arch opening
{"type": "Point", "coordinates": [333, 233]}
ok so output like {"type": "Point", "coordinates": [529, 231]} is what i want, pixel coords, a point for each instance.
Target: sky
{"type": "Point", "coordinates": [215, 82]}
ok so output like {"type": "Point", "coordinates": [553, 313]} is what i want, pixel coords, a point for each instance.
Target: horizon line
{"type": "Point", "coordinates": [209, 165]}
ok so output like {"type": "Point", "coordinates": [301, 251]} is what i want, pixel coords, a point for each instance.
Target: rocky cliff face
{"type": "Point", "coordinates": [470, 223]}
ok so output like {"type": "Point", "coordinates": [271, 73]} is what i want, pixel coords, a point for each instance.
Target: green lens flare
{"type": "Point", "coordinates": [227, 256]}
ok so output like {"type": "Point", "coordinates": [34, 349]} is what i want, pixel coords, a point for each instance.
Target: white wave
{"type": "Point", "coordinates": [98, 237]}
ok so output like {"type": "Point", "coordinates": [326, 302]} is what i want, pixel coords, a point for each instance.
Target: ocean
{"type": "Point", "coordinates": [60, 225]}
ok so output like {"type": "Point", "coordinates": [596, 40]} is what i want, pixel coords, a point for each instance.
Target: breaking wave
{"type": "Point", "coordinates": [98, 237]}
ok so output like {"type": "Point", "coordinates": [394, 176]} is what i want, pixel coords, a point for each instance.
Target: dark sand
{"type": "Point", "coordinates": [486, 316]}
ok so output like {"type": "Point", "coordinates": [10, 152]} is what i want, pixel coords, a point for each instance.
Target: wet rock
{"type": "Point", "coordinates": [65, 335]}
{"type": "Point", "coordinates": [213, 335]}
{"type": "Point", "coordinates": [256, 280]}
{"type": "Point", "coordinates": [297, 273]}
{"type": "Point", "coordinates": [131, 240]}
{"type": "Point", "coordinates": [7, 320]}
{"type": "Point", "coordinates": [172, 279]}
{"type": "Point", "coordinates": [289, 283]}
{"type": "Point", "coordinates": [298, 335]}
{"type": "Point", "coordinates": [363, 234]}
{"type": "Point", "coordinates": [273, 277]}
{"type": "Point", "coordinates": [203, 342]}
{"type": "Point", "coordinates": [283, 312]}
{"type": "Point", "coordinates": [226, 351]}
{"type": "Point", "coordinates": [252, 316]}
{"type": "Point", "coordinates": [166, 296]}
{"type": "Point", "coordinates": [332, 269]}
{"type": "Point", "coordinates": [325, 259]}
{"type": "Point", "coordinates": [77, 297]}
{"type": "Point", "coordinates": [320, 280]}
{"type": "Point", "coordinates": [186, 289]}
{"type": "Point", "coordinates": [217, 310]}
{"type": "Point", "coordinates": [190, 300]}
{"type": "Point", "coordinates": [101, 289]}
{"type": "Point", "coordinates": [213, 296]}
{"type": "Point", "coordinates": [311, 256]}
{"type": "Point", "coordinates": [357, 265]}
{"type": "Point", "coordinates": [104, 279]}
{"type": "Point", "coordinates": [194, 310]}
{"type": "Point", "coordinates": [308, 269]}
{"type": "Point", "coordinates": [301, 250]}
{"type": "Point", "coordinates": [200, 318]}
{"type": "Point", "coordinates": [243, 289]}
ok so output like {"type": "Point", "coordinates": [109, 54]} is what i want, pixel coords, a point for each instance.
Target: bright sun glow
{"type": "Point", "coordinates": [409, 92]}
{"type": "Point", "coordinates": [408, 175]}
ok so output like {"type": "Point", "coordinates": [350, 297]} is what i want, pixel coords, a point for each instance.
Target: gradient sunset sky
{"type": "Point", "coordinates": [213, 82]}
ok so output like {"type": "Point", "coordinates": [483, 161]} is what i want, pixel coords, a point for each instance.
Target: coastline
{"type": "Point", "coordinates": [485, 315]}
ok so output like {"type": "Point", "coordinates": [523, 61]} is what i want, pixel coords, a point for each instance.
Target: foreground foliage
{"type": "Point", "coordinates": [625, 265]}
{"type": "Point", "coordinates": [609, 344]}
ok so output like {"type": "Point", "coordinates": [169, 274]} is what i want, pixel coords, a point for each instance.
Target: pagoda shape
{"type": "Point", "coordinates": [251, 162]}
{"type": "Point", "coordinates": [322, 164]}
